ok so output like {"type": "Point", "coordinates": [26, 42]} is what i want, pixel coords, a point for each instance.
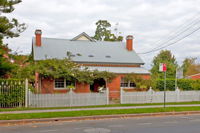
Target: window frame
{"type": "Point", "coordinates": [128, 84]}
{"type": "Point", "coordinates": [62, 88]}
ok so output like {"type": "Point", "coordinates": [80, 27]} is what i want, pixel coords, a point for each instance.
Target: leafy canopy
{"type": "Point", "coordinates": [65, 68]}
{"type": "Point", "coordinates": [165, 56]}
{"type": "Point", "coordinates": [138, 80]}
{"type": "Point", "coordinates": [103, 33]}
{"type": "Point", "coordinates": [190, 66]}
{"type": "Point", "coordinates": [8, 29]}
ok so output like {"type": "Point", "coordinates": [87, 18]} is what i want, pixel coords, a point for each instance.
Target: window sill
{"type": "Point", "coordinates": [128, 87]}
{"type": "Point", "coordinates": [60, 88]}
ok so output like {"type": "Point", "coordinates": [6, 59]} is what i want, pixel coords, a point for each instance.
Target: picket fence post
{"type": "Point", "coordinates": [107, 96]}
{"type": "Point", "coordinates": [26, 93]}
{"type": "Point", "coordinates": [121, 95]}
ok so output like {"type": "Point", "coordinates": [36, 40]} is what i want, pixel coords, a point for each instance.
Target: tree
{"type": "Point", "coordinates": [165, 56]}
{"type": "Point", "coordinates": [8, 29]}
{"type": "Point", "coordinates": [190, 66]}
{"type": "Point", "coordinates": [103, 33]}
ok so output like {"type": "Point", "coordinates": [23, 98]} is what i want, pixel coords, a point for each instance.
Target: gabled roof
{"type": "Point", "coordinates": [83, 34]}
{"type": "Point", "coordinates": [99, 52]}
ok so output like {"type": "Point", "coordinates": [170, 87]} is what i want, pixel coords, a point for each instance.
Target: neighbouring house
{"type": "Point", "coordinates": [194, 76]}
{"type": "Point", "coordinates": [116, 57]}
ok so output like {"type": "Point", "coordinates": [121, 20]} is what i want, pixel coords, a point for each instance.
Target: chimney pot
{"type": "Point", "coordinates": [129, 42]}
{"type": "Point", "coordinates": [38, 40]}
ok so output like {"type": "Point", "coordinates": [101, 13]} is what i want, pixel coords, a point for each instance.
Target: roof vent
{"type": "Point", "coordinates": [78, 54]}
{"type": "Point", "coordinates": [108, 56]}
{"type": "Point", "coordinates": [90, 55]}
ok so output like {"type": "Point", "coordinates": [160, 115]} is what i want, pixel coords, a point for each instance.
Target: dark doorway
{"type": "Point", "coordinates": [97, 85]}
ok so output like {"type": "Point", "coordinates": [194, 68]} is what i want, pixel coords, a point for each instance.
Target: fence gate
{"type": "Point", "coordinates": [12, 93]}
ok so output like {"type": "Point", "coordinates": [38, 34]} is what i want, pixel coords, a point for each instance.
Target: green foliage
{"type": "Point", "coordinates": [138, 80]}
{"type": "Point", "coordinates": [196, 85]}
{"type": "Point", "coordinates": [6, 6]}
{"type": "Point", "coordinates": [190, 66]}
{"type": "Point", "coordinates": [65, 68]}
{"type": "Point", "coordinates": [5, 65]}
{"type": "Point", "coordinates": [8, 29]}
{"type": "Point", "coordinates": [183, 84]}
{"type": "Point", "coordinates": [12, 92]}
{"type": "Point", "coordinates": [170, 84]}
{"type": "Point", "coordinates": [165, 56]}
{"type": "Point", "coordinates": [103, 33]}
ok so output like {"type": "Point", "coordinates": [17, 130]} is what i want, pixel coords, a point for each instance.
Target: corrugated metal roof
{"type": "Point", "coordinates": [120, 70]}
{"type": "Point", "coordinates": [86, 51]}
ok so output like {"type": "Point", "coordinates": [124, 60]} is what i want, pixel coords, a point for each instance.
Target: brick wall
{"type": "Point", "coordinates": [82, 88]}
{"type": "Point", "coordinates": [114, 87]}
{"type": "Point", "coordinates": [47, 86]}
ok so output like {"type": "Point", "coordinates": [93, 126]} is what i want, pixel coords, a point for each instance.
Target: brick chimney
{"type": "Point", "coordinates": [129, 42]}
{"type": "Point", "coordinates": [38, 40]}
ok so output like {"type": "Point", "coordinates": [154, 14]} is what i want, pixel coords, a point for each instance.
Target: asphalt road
{"type": "Point", "coordinates": [169, 124]}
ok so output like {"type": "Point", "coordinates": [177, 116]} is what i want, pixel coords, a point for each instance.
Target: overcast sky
{"type": "Point", "coordinates": [147, 20]}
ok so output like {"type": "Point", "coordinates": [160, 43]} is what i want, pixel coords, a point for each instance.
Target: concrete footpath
{"type": "Point", "coordinates": [96, 108]}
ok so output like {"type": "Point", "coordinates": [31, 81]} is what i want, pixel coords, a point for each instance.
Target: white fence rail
{"type": "Point", "coordinates": [158, 97]}
{"type": "Point", "coordinates": [67, 99]}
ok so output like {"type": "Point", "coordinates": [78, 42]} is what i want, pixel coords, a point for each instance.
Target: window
{"type": "Point", "coordinates": [124, 83]}
{"type": "Point", "coordinates": [59, 83]}
{"type": "Point", "coordinates": [68, 82]}
{"type": "Point", "coordinates": [127, 84]}
{"type": "Point", "coordinates": [62, 83]}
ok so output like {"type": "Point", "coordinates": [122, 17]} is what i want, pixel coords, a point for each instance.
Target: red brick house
{"type": "Point", "coordinates": [116, 57]}
{"type": "Point", "coordinates": [194, 76]}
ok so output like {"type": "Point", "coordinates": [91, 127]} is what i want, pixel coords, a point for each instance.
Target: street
{"type": "Point", "coordinates": [169, 124]}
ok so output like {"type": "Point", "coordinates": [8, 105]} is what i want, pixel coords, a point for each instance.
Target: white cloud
{"type": "Point", "coordinates": [148, 20]}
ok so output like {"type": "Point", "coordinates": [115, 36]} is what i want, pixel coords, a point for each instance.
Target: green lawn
{"type": "Point", "coordinates": [94, 112]}
{"type": "Point", "coordinates": [112, 105]}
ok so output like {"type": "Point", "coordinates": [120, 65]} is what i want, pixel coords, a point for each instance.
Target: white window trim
{"type": "Point", "coordinates": [129, 82]}
{"type": "Point", "coordinates": [64, 88]}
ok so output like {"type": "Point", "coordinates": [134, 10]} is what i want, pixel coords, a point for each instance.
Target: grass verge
{"type": "Point", "coordinates": [94, 112]}
{"type": "Point", "coordinates": [112, 105]}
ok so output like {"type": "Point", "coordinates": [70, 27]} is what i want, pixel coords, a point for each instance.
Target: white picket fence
{"type": "Point", "coordinates": [158, 96]}
{"type": "Point", "coordinates": [67, 99]}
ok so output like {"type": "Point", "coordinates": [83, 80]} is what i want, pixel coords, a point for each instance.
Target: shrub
{"type": "Point", "coordinates": [12, 93]}
{"type": "Point", "coordinates": [183, 84]}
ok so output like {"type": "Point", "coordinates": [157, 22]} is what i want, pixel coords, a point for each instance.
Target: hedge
{"type": "Point", "coordinates": [12, 93]}
{"type": "Point", "coordinates": [183, 84]}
